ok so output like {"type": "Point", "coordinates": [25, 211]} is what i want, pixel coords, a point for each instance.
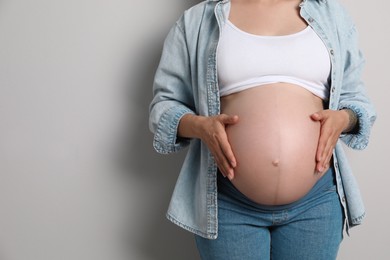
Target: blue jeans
{"type": "Point", "coordinates": [308, 229]}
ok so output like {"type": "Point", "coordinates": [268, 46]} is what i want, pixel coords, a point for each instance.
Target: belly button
{"type": "Point", "coordinates": [275, 162]}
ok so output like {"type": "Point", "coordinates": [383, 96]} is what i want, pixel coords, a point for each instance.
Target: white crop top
{"type": "Point", "coordinates": [246, 60]}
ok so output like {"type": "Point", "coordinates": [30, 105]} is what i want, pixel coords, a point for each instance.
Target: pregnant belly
{"type": "Point", "coordinates": [274, 142]}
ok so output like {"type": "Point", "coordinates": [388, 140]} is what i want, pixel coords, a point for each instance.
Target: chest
{"type": "Point", "coordinates": [243, 56]}
{"type": "Point", "coordinates": [256, 17]}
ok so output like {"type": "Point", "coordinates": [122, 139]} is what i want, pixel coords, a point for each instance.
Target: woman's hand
{"type": "Point", "coordinates": [333, 123]}
{"type": "Point", "coordinates": [212, 131]}
{"type": "Point", "coordinates": [214, 135]}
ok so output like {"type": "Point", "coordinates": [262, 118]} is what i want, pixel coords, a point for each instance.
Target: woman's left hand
{"type": "Point", "coordinates": [333, 123]}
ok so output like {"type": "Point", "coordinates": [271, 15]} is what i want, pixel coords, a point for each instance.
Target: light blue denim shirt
{"type": "Point", "coordinates": [186, 81]}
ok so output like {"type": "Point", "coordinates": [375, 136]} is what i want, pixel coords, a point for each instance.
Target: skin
{"type": "Point", "coordinates": [274, 142]}
{"type": "Point", "coordinates": [263, 17]}
{"type": "Point", "coordinates": [212, 131]}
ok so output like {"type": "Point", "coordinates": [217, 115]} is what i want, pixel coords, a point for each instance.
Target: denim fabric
{"type": "Point", "coordinates": [310, 228]}
{"type": "Point", "coordinates": [186, 82]}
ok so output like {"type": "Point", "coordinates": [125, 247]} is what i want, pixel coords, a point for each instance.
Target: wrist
{"type": "Point", "coordinates": [351, 122]}
{"type": "Point", "coordinates": [190, 126]}
{"type": "Point", "coordinates": [198, 126]}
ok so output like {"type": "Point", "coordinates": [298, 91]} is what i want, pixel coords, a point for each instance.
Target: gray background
{"type": "Point", "coordinates": [78, 176]}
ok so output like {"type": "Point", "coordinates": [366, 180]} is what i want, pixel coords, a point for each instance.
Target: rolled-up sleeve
{"type": "Point", "coordinates": [172, 93]}
{"type": "Point", "coordinates": [353, 95]}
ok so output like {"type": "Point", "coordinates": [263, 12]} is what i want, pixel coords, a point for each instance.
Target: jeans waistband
{"type": "Point", "coordinates": [326, 181]}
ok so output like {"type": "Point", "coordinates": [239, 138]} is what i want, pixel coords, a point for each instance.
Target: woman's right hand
{"type": "Point", "coordinates": [212, 131]}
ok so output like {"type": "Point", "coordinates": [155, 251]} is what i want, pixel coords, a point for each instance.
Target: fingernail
{"type": "Point", "coordinates": [233, 163]}
{"type": "Point", "coordinates": [320, 169]}
{"type": "Point", "coordinates": [230, 177]}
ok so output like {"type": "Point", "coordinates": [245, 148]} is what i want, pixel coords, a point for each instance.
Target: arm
{"type": "Point", "coordinates": [333, 124]}
{"type": "Point", "coordinates": [172, 93]}
{"type": "Point", "coordinates": [211, 130]}
{"type": "Point", "coordinates": [355, 115]}
{"type": "Point", "coordinates": [353, 124]}
{"type": "Point", "coordinates": [353, 96]}
{"type": "Point", "coordinates": [173, 118]}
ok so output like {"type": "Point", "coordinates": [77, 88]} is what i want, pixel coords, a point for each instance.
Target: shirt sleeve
{"type": "Point", "coordinates": [353, 95]}
{"type": "Point", "coordinates": [172, 93]}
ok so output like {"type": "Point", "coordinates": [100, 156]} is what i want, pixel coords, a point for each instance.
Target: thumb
{"type": "Point", "coordinates": [229, 120]}
{"type": "Point", "coordinates": [317, 116]}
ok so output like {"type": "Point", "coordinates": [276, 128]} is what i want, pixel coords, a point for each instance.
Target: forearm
{"type": "Point", "coordinates": [190, 126]}
{"type": "Point", "coordinates": [352, 121]}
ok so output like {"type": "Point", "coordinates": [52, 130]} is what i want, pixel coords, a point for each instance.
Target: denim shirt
{"type": "Point", "coordinates": [186, 82]}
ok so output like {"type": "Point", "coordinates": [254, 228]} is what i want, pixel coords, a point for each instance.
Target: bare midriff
{"type": "Point", "coordinates": [274, 141]}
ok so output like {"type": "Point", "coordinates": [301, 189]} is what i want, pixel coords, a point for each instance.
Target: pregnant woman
{"type": "Point", "coordinates": [262, 91]}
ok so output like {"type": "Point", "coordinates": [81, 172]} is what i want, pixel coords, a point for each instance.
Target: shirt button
{"type": "Point", "coordinates": [311, 20]}
{"type": "Point", "coordinates": [331, 52]}
{"type": "Point", "coordinates": [343, 199]}
{"type": "Point", "coordinates": [336, 165]}
{"type": "Point", "coordinates": [332, 89]}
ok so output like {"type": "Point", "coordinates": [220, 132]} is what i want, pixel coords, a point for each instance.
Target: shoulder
{"type": "Point", "coordinates": [195, 21]}
{"type": "Point", "coordinates": [331, 13]}
{"type": "Point", "coordinates": [338, 13]}
{"type": "Point", "coordinates": [195, 15]}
